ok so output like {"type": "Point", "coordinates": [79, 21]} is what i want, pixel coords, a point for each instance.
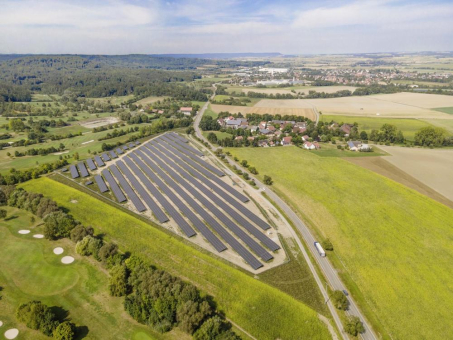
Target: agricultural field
{"type": "Point", "coordinates": [260, 309]}
{"type": "Point", "coordinates": [288, 90]}
{"type": "Point", "coordinates": [220, 135]}
{"type": "Point", "coordinates": [383, 167]}
{"type": "Point", "coordinates": [431, 167]}
{"type": "Point", "coordinates": [210, 112]}
{"type": "Point", "coordinates": [331, 150]}
{"type": "Point", "coordinates": [149, 100]}
{"type": "Point", "coordinates": [31, 271]}
{"type": "Point", "coordinates": [448, 110]}
{"type": "Point", "coordinates": [392, 244]}
{"type": "Point", "coordinates": [446, 124]}
{"type": "Point", "coordinates": [408, 126]}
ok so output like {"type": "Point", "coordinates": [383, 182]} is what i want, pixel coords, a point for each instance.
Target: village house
{"type": "Point", "coordinates": [311, 146]}
{"type": "Point", "coordinates": [262, 125]}
{"type": "Point", "coordinates": [286, 141]}
{"type": "Point", "coordinates": [305, 138]}
{"type": "Point", "coordinates": [346, 128]}
{"type": "Point", "coordinates": [239, 138]}
{"type": "Point", "coordinates": [186, 110]}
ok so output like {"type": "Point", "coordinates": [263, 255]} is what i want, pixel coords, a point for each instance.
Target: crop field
{"type": "Point", "coordinates": [421, 100]}
{"type": "Point", "coordinates": [261, 310]}
{"type": "Point", "coordinates": [448, 110]}
{"type": "Point", "coordinates": [149, 100]}
{"type": "Point", "coordinates": [383, 167]}
{"type": "Point", "coordinates": [386, 106]}
{"type": "Point", "coordinates": [446, 124]}
{"type": "Point", "coordinates": [288, 90]}
{"type": "Point", "coordinates": [431, 167]}
{"type": "Point", "coordinates": [408, 126]}
{"type": "Point", "coordinates": [392, 244]}
{"type": "Point", "coordinates": [31, 271]}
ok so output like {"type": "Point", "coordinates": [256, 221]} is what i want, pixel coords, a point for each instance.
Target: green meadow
{"type": "Point", "coordinates": [393, 246]}
{"type": "Point", "coordinates": [260, 309]}
{"type": "Point", "coordinates": [408, 126]}
{"type": "Point", "coordinates": [448, 110]}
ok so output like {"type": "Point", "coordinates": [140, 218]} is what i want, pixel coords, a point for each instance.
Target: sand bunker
{"type": "Point", "coordinates": [58, 251]}
{"type": "Point", "coordinates": [38, 236]}
{"type": "Point", "coordinates": [99, 122]}
{"type": "Point", "coordinates": [1, 323]}
{"type": "Point", "coordinates": [67, 260]}
{"type": "Point", "coordinates": [90, 141]}
{"type": "Point", "coordinates": [60, 153]}
{"type": "Point", "coordinates": [11, 333]}
{"type": "Point", "coordinates": [23, 231]}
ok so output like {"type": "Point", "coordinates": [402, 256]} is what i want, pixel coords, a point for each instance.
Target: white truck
{"type": "Point", "coordinates": [320, 250]}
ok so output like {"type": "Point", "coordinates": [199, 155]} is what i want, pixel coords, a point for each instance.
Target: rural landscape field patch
{"type": "Point", "coordinates": [393, 242]}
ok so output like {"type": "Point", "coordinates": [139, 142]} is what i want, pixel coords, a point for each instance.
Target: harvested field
{"type": "Point", "coordinates": [371, 106]}
{"type": "Point", "coordinates": [306, 89]}
{"type": "Point", "coordinates": [99, 122]}
{"type": "Point", "coordinates": [431, 167]}
{"type": "Point", "coordinates": [422, 100]}
{"type": "Point", "coordinates": [383, 167]}
{"type": "Point", "coordinates": [271, 109]}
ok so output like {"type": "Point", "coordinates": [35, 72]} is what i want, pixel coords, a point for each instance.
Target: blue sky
{"type": "Point", "coordinates": [183, 26]}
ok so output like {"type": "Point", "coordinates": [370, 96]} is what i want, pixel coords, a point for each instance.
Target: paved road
{"type": "Point", "coordinates": [327, 268]}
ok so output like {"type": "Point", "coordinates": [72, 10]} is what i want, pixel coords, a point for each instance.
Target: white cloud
{"type": "Point", "coordinates": [63, 13]}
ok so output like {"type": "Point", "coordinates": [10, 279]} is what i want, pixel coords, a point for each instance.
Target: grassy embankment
{"type": "Point", "coordinates": [408, 126]}
{"type": "Point", "coordinates": [392, 244]}
{"type": "Point", "coordinates": [30, 271]}
{"type": "Point", "coordinates": [260, 309]}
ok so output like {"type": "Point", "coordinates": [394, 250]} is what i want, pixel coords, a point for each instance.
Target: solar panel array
{"type": "Point", "coordinates": [83, 170]}
{"type": "Point", "coordinates": [74, 172]}
{"type": "Point", "coordinates": [91, 164]}
{"type": "Point", "coordinates": [99, 161]}
{"type": "Point", "coordinates": [101, 184]}
{"type": "Point", "coordinates": [168, 175]}
{"type": "Point", "coordinates": [258, 249]}
{"type": "Point", "coordinates": [114, 186]}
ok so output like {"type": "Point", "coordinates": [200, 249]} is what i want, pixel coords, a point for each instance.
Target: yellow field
{"type": "Point", "coordinates": [306, 89]}
{"type": "Point", "coordinates": [306, 112]}
{"type": "Point", "coordinates": [431, 167]}
{"type": "Point", "coordinates": [389, 105]}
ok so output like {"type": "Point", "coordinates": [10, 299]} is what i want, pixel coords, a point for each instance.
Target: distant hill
{"type": "Point", "coordinates": [221, 55]}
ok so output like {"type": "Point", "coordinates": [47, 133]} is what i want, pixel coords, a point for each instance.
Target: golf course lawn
{"type": "Point", "coordinates": [392, 242]}
{"type": "Point", "coordinates": [31, 271]}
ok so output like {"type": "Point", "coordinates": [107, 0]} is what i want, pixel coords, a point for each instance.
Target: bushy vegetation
{"type": "Point", "coordinates": [433, 136]}
{"type": "Point", "coordinates": [38, 316]}
{"type": "Point", "coordinates": [18, 176]}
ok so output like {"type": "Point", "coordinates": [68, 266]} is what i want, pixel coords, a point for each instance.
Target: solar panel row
{"type": "Point", "coordinates": [105, 157]}
{"type": "Point", "coordinates": [99, 161]}
{"type": "Point", "coordinates": [119, 151]}
{"type": "Point", "coordinates": [101, 184]}
{"type": "Point", "coordinates": [113, 154]}
{"type": "Point", "coordinates": [167, 148]}
{"type": "Point", "coordinates": [83, 170]}
{"type": "Point", "coordinates": [225, 207]}
{"type": "Point", "coordinates": [175, 200]}
{"type": "Point", "coordinates": [125, 147]}
{"type": "Point", "coordinates": [131, 145]}
{"type": "Point", "coordinates": [143, 193]}
{"type": "Point", "coordinates": [184, 145]}
{"type": "Point", "coordinates": [127, 188]}
{"type": "Point", "coordinates": [250, 242]}
{"type": "Point", "coordinates": [114, 186]}
{"type": "Point", "coordinates": [180, 221]}
{"type": "Point", "coordinates": [191, 155]}
{"type": "Point", "coordinates": [91, 164]}
{"type": "Point", "coordinates": [181, 138]}
{"type": "Point", "coordinates": [74, 172]}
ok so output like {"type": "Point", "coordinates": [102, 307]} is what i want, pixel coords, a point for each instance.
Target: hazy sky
{"type": "Point", "coordinates": [186, 26]}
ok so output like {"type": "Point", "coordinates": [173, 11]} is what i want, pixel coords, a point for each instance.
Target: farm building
{"type": "Point", "coordinates": [186, 110]}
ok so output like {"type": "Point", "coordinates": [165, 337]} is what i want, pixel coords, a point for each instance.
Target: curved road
{"type": "Point", "coordinates": [323, 262]}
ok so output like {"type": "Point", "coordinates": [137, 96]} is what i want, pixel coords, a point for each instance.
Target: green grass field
{"type": "Point", "coordinates": [210, 113]}
{"type": "Point", "coordinates": [448, 110]}
{"type": "Point", "coordinates": [330, 150]}
{"type": "Point", "coordinates": [393, 243]}
{"type": "Point", "coordinates": [408, 126]}
{"type": "Point", "coordinates": [260, 309]}
{"type": "Point", "coordinates": [220, 135]}
{"type": "Point", "coordinates": [30, 270]}
{"type": "Point", "coordinates": [447, 124]}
